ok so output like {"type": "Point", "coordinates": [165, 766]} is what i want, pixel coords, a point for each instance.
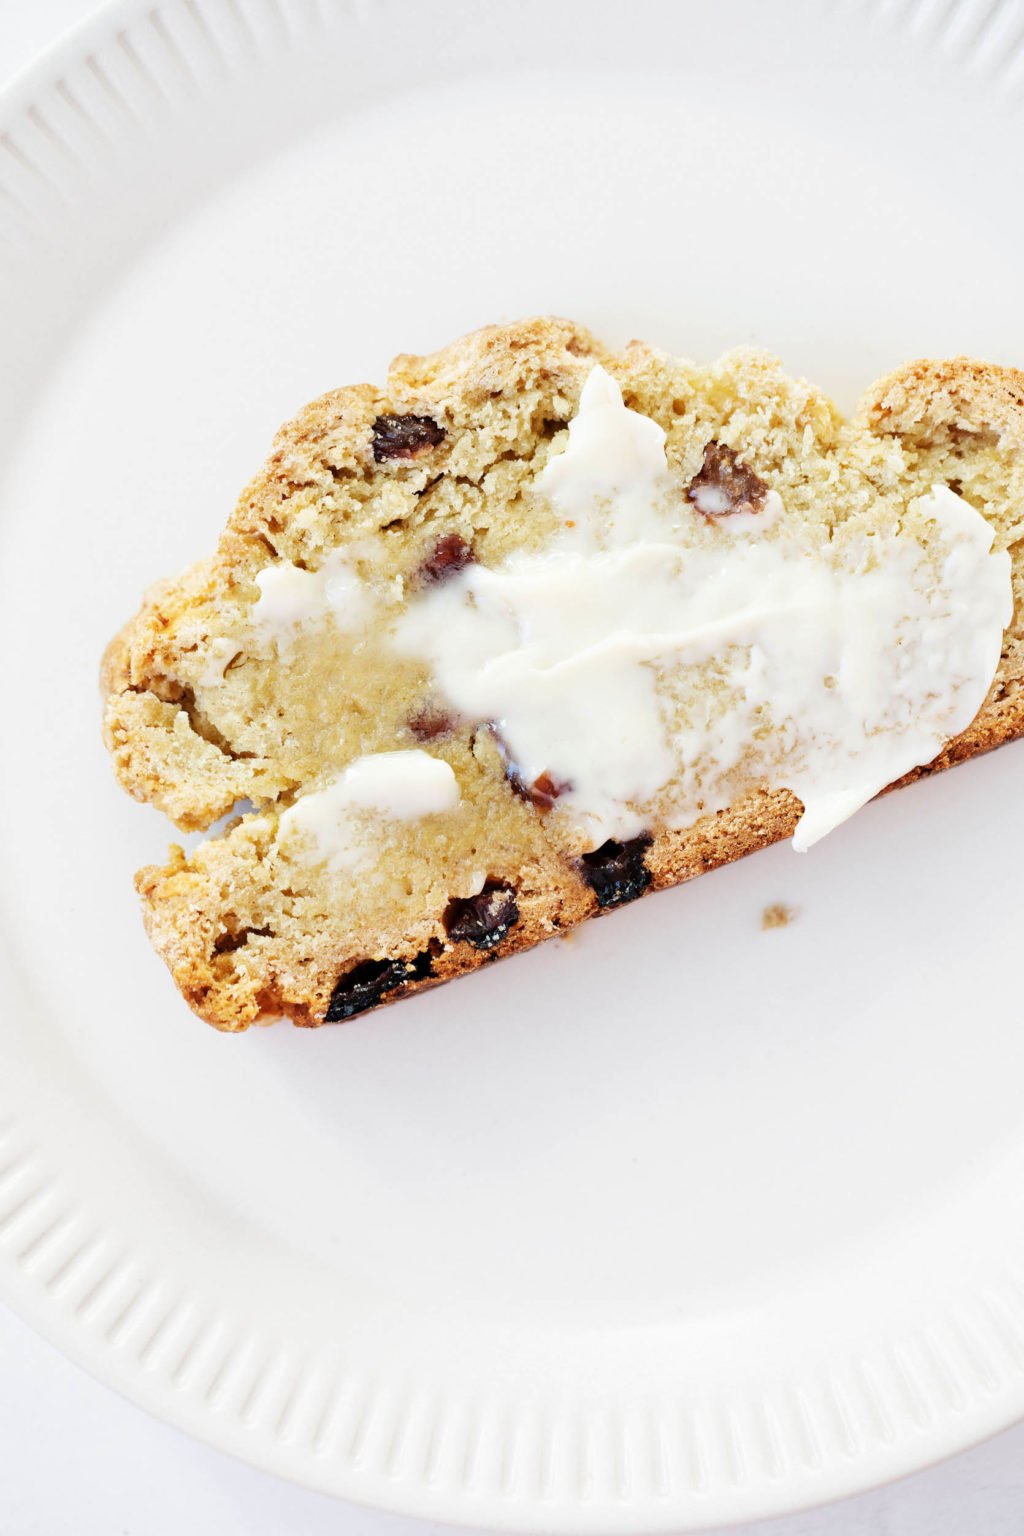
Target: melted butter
{"type": "Point", "coordinates": [340, 821]}
{"type": "Point", "coordinates": [650, 672]}
{"type": "Point", "coordinates": [614, 461]}
{"type": "Point", "coordinates": [291, 597]}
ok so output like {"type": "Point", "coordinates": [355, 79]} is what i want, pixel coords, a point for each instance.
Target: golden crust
{"type": "Point", "coordinates": [960, 393]}
{"type": "Point", "coordinates": [243, 948]}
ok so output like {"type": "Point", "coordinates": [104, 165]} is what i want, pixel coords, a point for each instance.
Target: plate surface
{"type": "Point", "coordinates": [677, 1222]}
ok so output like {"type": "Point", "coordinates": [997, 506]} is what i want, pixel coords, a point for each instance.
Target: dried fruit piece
{"type": "Point", "coordinates": [482, 920]}
{"type": "Point", "coordinates": [616, 872]}
{"type": "Point", "coordinates": [542, 791]}
{"type": "Point", "coordinates": [404, 437]}
{"type": "Point", "coordinates": [366, 983]}
{"type": "Point", "coordinates": [724, 484]}
{"type": "Point", "coordinates": [450, 555]}
{"type": "Point", "coordinates": [429, 722]}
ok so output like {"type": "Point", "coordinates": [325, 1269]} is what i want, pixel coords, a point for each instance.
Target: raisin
{"type": "Point", "coordinates": [724, 484]}
{"type": "Point", "coordinates": [429, 722]}
{"type": "Point", "coordinates": [482, 920]}
{"type": "Point", "coordinates": [366, 983]}
{"type": "Point", "coordinates": [404, 437]}
{"type": "Point", "coordinates": [616, 872]}
{"type": "Point", "coordinates": [450, 555]}
{"type": "Point", "coordinates": [542, 792]}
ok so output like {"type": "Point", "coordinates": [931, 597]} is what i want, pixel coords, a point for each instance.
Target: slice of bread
{"type": "Point", "coordinates": [230, 686]}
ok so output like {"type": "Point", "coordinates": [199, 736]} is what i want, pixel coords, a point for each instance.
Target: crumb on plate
{"type": "Point", "coordinates": [777, 915]}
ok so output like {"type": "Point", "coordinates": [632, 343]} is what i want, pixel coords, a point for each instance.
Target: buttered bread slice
{"type": "Point", "coordinates": [540, 627]}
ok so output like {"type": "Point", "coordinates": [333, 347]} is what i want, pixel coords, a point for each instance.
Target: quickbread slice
{"type": "Point", "coordinates": [482, 677]}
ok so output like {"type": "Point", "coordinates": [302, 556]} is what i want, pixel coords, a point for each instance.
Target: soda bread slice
{"type": "Point", "coordinates": [282, 670]}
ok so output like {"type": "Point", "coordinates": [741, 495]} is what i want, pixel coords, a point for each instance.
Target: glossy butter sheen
{"type": "Point", "coordinates": [339, 820]}
{"type": "Point", "coordinates": [642, 669]}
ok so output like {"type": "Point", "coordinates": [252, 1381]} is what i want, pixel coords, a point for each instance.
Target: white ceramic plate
{"type": "Point", "coordinates": [675, 1223]}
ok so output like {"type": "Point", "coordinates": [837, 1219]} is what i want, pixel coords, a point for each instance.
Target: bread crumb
{"type": "Point", "coordinates": [777, 916]}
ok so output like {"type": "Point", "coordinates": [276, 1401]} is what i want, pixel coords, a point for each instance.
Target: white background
{"type": "Point", "coordinates": [76, 1459]}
